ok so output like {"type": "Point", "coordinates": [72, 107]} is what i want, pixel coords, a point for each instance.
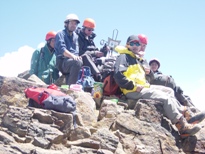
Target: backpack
{"type": "Point", "coordinates": [84, 77]}
{"type": "Point", "coordinates": [52, 99]}
{"type": "Point", "coordinates": [106, 65]}
{"type": "Point", "coordinates": [110, 86]}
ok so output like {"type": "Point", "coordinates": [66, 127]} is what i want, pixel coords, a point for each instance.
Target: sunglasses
{"type": "Point", "coordinates": [134, 43]}
{"type": "Point", "coordinates": [90, 29]}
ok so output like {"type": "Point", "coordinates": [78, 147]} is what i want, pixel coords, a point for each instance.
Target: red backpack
{"type": "Point", "coordinates": [110, 86]}
{"type": "Point", "coordinates": [51, 98]}
{"type": "Point", "coordinates": [40, 94]}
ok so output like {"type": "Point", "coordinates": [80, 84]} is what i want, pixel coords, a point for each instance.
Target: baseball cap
{"type": "Point", "coordinates": [132, 38]}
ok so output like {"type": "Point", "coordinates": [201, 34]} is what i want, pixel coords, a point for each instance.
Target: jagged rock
{"type": "Point", "coordinates": [142, 130]}
{"type": "Point", "coordinates": [86, 143]}
{"type": "Point", "coordinates": [35, 79]}
{"type": "Point", "coordinates": [147, 110]}
{"type": "Point", "coordinates": [104, 123]}
{"type": "Point", "coordinates": [43, 116]}
{"type": "Point", "coordinates": [80, 133]}
{"type": "Point", "coordinates": [80, 150]}
{"type": "Point", "coordinates": [106, 138]}
{"type": "Point", "coordinates": [12, 90]}
{"type": "Point", "coordinates": [109, 109]}
{"type": "Point", "coordinates": [41, 142]}
{"type": "Point", "coordinates": [24, 75]}
{"type": "Point", "coordinates": [26, 139]}
{"type": "Point", "coordinates": [6, 138]}
{"type": "Point", "coordinates": [148, 136]}
{"type": "Point", "coordinates": [17, 120]}
{"type": "Point", "coordinates": [85, 106]}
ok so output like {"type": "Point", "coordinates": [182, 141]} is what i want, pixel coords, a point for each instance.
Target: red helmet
{"type": "Point", "coordinates": [50, 35]}
{"type": "Point", "coordinates": [89, 23]}
{"type": "Point", "coordinates": [154, 60]}
{"type": "Point", "coordinates": [143, 38]}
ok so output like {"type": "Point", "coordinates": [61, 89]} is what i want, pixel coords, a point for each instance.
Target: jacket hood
{"type": "Point", "coordinates": [124, 50]}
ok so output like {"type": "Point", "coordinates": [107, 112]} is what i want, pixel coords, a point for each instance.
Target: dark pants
{"type": "Point", "coordinates": [70, 68]}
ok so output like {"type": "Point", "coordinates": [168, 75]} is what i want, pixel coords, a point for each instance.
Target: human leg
{"type": "Point", "coordinates": [87, 61]}
{"type": "Point", "coordinates": [164, 89]}
{"type": "Point", "coordinates": [72, 67]}
{"type": "Point", "coordinates": [172, 109]}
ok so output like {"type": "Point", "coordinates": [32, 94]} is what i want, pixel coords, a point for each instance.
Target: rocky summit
{"type": "Point", "coordinates": [137, 127]}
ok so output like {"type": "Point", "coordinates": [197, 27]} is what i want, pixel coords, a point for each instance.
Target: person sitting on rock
{"type": "Point", "coordinates": [43, 61]}
{"type": "Point", "coordinates": [168, 81]}
{"type": "Point", "coordinates": [87, 48]}
{"type": "Point", "coordinates": [129, 74]}
{"type": "Point", "coordinates": [68, 60]}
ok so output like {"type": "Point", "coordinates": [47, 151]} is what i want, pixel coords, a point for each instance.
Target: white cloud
{"type": "Point", "coordinates": [13, 63]}
{"type": "Point", "coordinates": [42, 44]}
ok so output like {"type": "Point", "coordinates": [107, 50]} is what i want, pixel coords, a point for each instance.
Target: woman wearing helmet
{"type": "Point", "coordinates": [168, 81]}
{"type": "Point", "coordinates": [43, 61]}
{"type": "Point", "coordinates": [87, 48]}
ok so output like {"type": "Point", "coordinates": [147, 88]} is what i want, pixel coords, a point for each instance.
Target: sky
{"type": "Point", "coordinates": [175, 31]}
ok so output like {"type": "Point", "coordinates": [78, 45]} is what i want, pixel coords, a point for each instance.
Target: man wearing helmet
{"type": "Point", "coordinates": [43, 61]}
{"type": "Point", "coordinates": [129, 74]}
{"type": "Point", "coordinates": [87, 48]}
{"type": "Point", "coordinates": [68, 60]}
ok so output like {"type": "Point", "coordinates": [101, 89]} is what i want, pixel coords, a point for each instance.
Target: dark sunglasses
{"type": "Point", "coordinates": [90, 29]}
{"type": "Point", "coordinates": [134, 43]}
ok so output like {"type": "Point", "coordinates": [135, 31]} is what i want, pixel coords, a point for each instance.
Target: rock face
{"type": "Point", "coordinates": [141, 129]}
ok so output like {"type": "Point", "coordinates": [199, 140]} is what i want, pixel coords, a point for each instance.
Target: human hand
{"type": "Point", "coordinates": [139, 88]}
{"type": "Point", "coordinates": [99, 54]}
{"type": "Point", "coordinates": [147, 70]}
{"type": "Point", "coordinates": [76, 57]}
{"type": "Point", "coordinates": [141, 54]}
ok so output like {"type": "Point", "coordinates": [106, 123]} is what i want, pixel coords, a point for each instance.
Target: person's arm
{"type": "Point", "coordinates": [150, 77]}
{"type": "Point", "coordinates": [61, 48]}
{"type": "Point", "coordinates": [119, 68]}
{"type": "Point", "coordinates": [34, 63]}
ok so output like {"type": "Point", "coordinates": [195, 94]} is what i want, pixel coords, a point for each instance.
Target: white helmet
{"type": "Point", "coordinates": [71, 17]}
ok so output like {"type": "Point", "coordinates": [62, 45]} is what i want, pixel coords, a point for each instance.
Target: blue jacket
{"type": "Point", "coordinates": [65, 41]}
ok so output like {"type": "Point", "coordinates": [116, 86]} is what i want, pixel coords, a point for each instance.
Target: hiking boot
{"type": "Point", "coordinates": [193, 118]}
{"type": "Point", "coordinates": [185, 129]}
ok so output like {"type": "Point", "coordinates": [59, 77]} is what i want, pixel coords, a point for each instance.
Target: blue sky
{"type": "Point", "coordinates": [175, 30]}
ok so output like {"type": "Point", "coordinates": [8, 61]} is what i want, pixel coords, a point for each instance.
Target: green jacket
{"type": "Point", "coordinates": [43, 65]}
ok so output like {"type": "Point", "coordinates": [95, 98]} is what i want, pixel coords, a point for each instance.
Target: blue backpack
{"type": "Point", "coordinates": [85, 78]}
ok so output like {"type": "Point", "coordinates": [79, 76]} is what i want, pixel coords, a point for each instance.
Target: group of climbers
{"type": "Point", "coordinates": [74, 47]}
{"type": "Point", "coordinates": [71, 48]}
{"type": "Point", "coordinates": [131, 73]}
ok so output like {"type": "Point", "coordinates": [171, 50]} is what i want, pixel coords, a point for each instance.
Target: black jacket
{"type": "Point", "coordinates": [86, 45]}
